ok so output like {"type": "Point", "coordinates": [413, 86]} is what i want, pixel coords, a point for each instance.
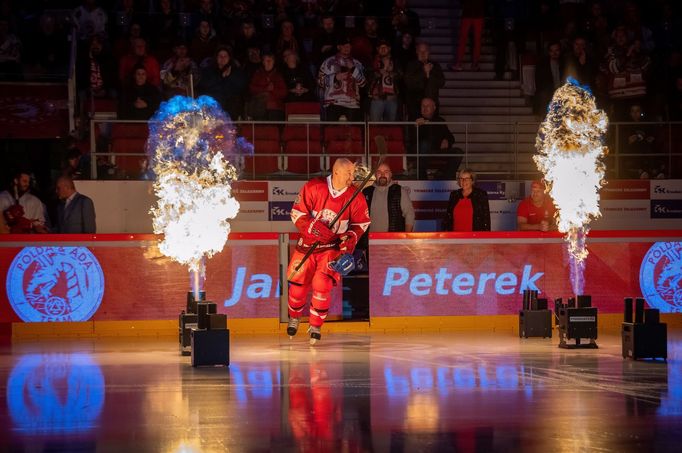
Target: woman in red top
{"type": "Point", "coordinates": [468, 208]}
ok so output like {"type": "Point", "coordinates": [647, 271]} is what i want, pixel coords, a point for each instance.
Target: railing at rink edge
{"type": "Point", "coordinates": [495, 150]}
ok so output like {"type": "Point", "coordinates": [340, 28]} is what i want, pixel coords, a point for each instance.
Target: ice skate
{"type": "Point", "coordinates": [292, 327]}
{"type": "Point", "coordinates": [315, 335]}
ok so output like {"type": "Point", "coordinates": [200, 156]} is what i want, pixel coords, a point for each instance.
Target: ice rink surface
{"type": "Point", "coordinates": [457, 391]}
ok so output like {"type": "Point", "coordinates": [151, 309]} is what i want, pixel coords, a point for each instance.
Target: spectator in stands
{"type": "Point", "coordinates": [247, 39]}
{"type": "Point", "coordinates": [324, 44]}
{"type": "Point", "coordinates": [578, 64]}
{"type": "Point", "coordinates": [90, 20]}
{"type": "Point", "coordinates": [299, 81]}
{"type": "Point", "coordinates": [639, 138]}
{"type": "Point", "coordinates": [340, 78]}
{"type": "Point", "coordinates": [47, 49]}
{"type": "Point", "coordinates": [423, 79]}
{"type": "Point", "coordinates": [125, 44]}
{"type": "Point", "coordinates": [384, 79]}
{"type": "Point", "coordinates": [164, 28]}
{"type": "Point", "coordinates": [473, 12]}
{"type": "Point", "coordinates": [627, 69]}
{"type": "Point", "coordinates": [254, 62]}
{"type": "Point", "coordinates": [179, 72]}
{"type": "Point", "coordinates": [268, 90]}
{"type": "Point", "coordinates": [229, 19]}
{"type": "Point", "coordinates": [10, 53]}
{"type": "Point", "coordinates": [126, 15]}
{"type": "Point", "coordinates": [365, 43]}
{"type": "Point", "coordinates": [224, 81]}
{"type": "Point", "coordinates": [204, 43]}
{"type": "Point", "coordinates": [76, 212]}
{"type": "Point", "coordinates": [549, 75]}
{"type": "Point", "coordinates": [636, 31]}
{"type": "Point", "coordinates": [73, 165]}
{"type": "Point", "coordinates": [286, 40]}
{"type": "Point", "coordinates": [390, 207]}
{"type": "Point", "coordinates": [434, 138]}
{"type": "Point", "coordinates": [139, 99]}
{"type": "Point", "coordinates": [596, 27]}
{"type": "Point", "coordinates": [205, 13]}
{"type": "Point", "coordinates": [468, 208]}
{"type": "Point", "coordinates": [404, 50]}
{"type": "Point", "coordinates": [96, 73]}
{"type": "Point", "coordinates": [509, 35]}
{"type": "Point", "coordinates": [404, 20]}
{"type": "Point", "coordinates": [23, 211]}
{"type": "Point", "coordinates": [536, 212]}
{"type": "Point", "coordinates": [140, 57]}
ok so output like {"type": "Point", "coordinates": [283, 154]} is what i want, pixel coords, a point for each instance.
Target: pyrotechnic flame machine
{"type": "Point", "coordinates": [380, 141]}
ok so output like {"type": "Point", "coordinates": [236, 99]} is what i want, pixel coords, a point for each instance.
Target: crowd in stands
{"type": "Point", "coordinates": [361, 60]}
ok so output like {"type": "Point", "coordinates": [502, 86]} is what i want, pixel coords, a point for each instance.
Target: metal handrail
{"type": "Point", "coordinates": [515, 158]}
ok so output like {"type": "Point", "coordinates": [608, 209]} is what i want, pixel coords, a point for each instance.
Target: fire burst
{"type": "Point", "coordinates": [189, 141]}
{"type": "Point", "coordinates": [570, 145]}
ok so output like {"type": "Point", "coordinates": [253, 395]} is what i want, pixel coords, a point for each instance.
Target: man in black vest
{"type": "Point", "coordinates": [390, 207]}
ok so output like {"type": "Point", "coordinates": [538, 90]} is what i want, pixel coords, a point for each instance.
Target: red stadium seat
{"type": "Point", "coordinates": [302, 139]}
{"type": "Point", "coordinates": [343, 141]}
{"type": "Point", "coordinates": [266, 142]}
{"type": "Point", "coordinates": [129, 138]}
{"type": "Point", "coordinates": [301, 108]}
{"type": "Point", "coordinates": [395, 147]}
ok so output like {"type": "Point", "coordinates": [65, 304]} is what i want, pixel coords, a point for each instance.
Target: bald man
{"type": "Point", "coordinates": [389, 203]}
{"type": "Point", "coordinates": [76, 212]}
{"type": "Point", "coordinates": [317, 204]}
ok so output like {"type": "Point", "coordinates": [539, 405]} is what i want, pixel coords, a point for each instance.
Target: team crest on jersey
{"type": "Point", "coordinates": [327, 215]}
{"type": "Point", "coordinates": [55, 284]}
{"type": "Point", "coordinates": [660, 276]}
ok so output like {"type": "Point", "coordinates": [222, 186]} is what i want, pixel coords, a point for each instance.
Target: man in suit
{"type": "Point", "coordinates": [76, 212]}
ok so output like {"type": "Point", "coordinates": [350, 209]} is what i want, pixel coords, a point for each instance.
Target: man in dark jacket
{"type": "Point", "coordinates": [434, 137]}
{"type": "Point", "coordinates": [76, 212]}
{"type": "Point", "coordinates": [423, 79]}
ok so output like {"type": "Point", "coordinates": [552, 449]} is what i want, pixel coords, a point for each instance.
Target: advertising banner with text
{"type": "Point", "coordinates": [131, 280]}
{"type": "Point", "coordinates": [456, 277]}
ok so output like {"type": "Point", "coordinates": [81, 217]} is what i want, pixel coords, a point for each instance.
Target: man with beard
{"type": "Point", "coordinates": [22, 211]}
{"type": "Point", "coordinates": [390, 207]}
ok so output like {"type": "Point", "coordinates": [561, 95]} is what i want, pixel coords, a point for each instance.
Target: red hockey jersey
{"type": "Point", "coordinates": [319, 200]}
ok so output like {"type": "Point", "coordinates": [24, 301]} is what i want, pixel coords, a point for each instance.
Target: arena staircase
{"type": "Point", "coordinates": [477, 98]}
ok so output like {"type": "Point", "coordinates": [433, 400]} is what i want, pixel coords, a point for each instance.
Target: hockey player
{"type": "Point", "coordinates": [318, 202]}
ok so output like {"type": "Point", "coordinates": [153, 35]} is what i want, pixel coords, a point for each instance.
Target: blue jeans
{"type": "Point", "coordinates": [383, 109]}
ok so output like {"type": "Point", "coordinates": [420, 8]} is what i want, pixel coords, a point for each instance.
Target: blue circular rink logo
{"type": "Point", "coordinates": [660, 276]}
{"type": "Point", "coordinates": [52, 284]}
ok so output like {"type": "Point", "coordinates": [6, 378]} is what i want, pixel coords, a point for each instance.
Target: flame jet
{"type": "Point", "coordinates": [570, 152]}
{"type": "Point", "coordinates": [189, 143]}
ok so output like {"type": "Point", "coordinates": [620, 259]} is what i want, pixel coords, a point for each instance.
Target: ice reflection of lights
{"type": "Point", "coordinates": [445, 379]}
{"type": "Point", "coordinates": [55, 393]}
{"type": "Point", "coordinates": [422, 413]}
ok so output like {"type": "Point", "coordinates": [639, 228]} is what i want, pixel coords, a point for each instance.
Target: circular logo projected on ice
{"type": "Point", "coordinates": [660, 276]}
{"type": "Point", "coordinates": [55, 393]}
{"type": "Point", "coordinates": [55, 284]}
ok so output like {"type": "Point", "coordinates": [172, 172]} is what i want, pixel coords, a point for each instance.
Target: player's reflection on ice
{"type": "Point", "coordinates": [313, 411]}
{"type": "Point", "coordinates": [55, 393]}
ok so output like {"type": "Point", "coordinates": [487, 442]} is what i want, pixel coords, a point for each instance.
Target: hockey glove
{"type": "Point", "coordinates": [348, 242]}
{"type": "Point", "coordinates": [321, 232]}
{"type": "Point", "coordinates": [344, 264]}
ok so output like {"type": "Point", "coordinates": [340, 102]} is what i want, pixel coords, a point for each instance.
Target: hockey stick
{"type": "Point", "coordinates": [380, 141]}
